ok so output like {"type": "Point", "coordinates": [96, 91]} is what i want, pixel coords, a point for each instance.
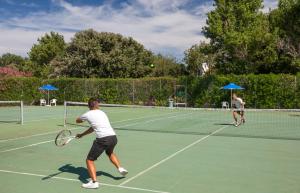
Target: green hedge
{"type": "Point", "coordinates": [121, 91]}
{"type": "Point", "coordinates": [261, 91]}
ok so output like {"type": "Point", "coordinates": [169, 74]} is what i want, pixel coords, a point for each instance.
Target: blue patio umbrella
{"type": "Point", "coordinates": [48, 87]}
{"type": "Point", "coordinates": [231, 86]}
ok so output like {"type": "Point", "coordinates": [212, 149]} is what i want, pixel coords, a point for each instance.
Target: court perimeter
{"type": "Point", "coordinates": [164, 150]}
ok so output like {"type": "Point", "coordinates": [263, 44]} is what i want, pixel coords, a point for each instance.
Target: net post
{"type": "Point", "coordinates": [22, 117]}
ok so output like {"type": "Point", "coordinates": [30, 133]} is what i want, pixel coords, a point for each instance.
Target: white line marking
{"type": "Point", "coordinates": [36, 120]}
{"type": "Point", "coordinates": [52, 132]}
{"type": "Point", "coordinates": [35, 144]}
{"type": "Point", "coordinates": [46, 118]}
{"type": "Point", "coordinates": [75, 180]}
{"type": "Point", "coordinates": [143, 117]}
{"type": "Point", "coordinates": [171, 156]}
{"type": "Point", "coordinates": [152, 120]}
{"type": "Point", "coordinates": [40, 134]}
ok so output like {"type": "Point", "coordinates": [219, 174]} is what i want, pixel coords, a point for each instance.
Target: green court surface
{"type": "Point", "coordinates": [164, 150]}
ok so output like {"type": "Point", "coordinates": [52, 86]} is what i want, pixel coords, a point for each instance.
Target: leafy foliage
{"type": "Point", "coordinates": [12, 60]}
{"type": "Point", "coordinates": [197, 55]}
{"type": "Point", "coordinates": [11, 71]}
{"type": "Point", "coordinates": [41, 54]}
{"type": "Point", "coordinates": [105, 55]}
{"type": "Point", "coordinates": [14, 65]}
{"type": "Point", "coordinates": [286, 19]}
{"type": "Point", "coordinates": [240, 33]}
{"type": "Point", "coordinates": [166, 66]}
{"type": "Point", "coordinates": [261, 91]}
{"type": "Point", "coordinates": [118, 91]}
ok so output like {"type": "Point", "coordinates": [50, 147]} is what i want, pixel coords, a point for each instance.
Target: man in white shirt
{"type": "Point", "coordinates": [105, 140]}
{"type": "Point", "coordinates": [238, 109]}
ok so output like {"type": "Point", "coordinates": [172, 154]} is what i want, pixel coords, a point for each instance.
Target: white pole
{"type": "Point", "coordinates": [22, 117]}
{"type": "Point", "coordinates": [48, 98]}
{"type": "Point", "coordinates": [231, 98]}
{"type": "Point", "coordinates": [65, 114]}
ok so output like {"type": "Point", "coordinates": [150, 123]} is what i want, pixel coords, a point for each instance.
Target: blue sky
{"type": "Point", "coordinates": [163, 26]}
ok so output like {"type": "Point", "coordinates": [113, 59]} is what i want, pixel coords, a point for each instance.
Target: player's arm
{"type": "Point", "coordinates": [86, 132]}
{"type": "Point", "coordinates": [79, 120]}
{"type": "Point", "coordinates": [243, 104]}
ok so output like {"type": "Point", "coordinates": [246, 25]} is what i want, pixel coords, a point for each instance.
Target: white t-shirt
{"type": "Point", "coordinates": [238, 103]}
{"type": "Point", "coordinates": [99, 122]}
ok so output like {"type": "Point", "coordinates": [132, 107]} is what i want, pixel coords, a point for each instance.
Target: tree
{"type": "Point", "coordinates": [240, 33]}
{"type": "Point", "coordinates": [198, 55]}
{"type": "Point", "coordinates": [286, 19]}
{"type": "Point", "coordinates": [48, 48]}
{"type": "Point", "coordinates": [16, 62]}
{"type": "Point", "coordinates": [103, 55]}
{"type": "Point", "coordinates": [11, 59]}
{"type": "Point", "coordinates": [166, 66]}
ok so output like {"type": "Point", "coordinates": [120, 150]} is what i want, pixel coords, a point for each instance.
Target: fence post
{"type": "Point", "coordinates": [22, 116]}
{"type": "Point", "coordinates": [133, 90]}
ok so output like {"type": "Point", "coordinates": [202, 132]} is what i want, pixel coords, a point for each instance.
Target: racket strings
{"type": "Point", "coordinates": [63, 137]}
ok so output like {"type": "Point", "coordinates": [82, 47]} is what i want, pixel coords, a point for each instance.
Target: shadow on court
{"type": "Point", "coordinates": [223, 124]}
{"type": "Point", "coordinates": [82, 173]}
{"type": "Point", "coordinates": [16, 122]}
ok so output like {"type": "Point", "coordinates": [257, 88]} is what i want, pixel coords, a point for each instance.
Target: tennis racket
{"type": "Point", "coordinates": [64, 137]}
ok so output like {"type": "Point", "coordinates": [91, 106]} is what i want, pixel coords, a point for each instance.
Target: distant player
{"type": "Point", "coordinates": [106, 140]}
{"type": "Point", "coordinates": [238, 109]}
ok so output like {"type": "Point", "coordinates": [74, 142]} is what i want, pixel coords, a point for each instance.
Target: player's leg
{"type": "Point", "coordinates": [114, 160]}
{"type": "Point", "coordinates": [91, 169]}
{"type": "Point", "coordinates": [234, 113]}
{"type": "Point", "coordinates": [243, 117]}
{"type": "Point", "coordinates": [239, 114]}
{"type": "Point", "coordinates": [112, 142]}
{"type": "Point", "coordinates": [95, 151]}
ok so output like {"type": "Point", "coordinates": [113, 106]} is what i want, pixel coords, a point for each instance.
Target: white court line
{"type": "Point", "coordinates": [171, 156]}
{"type": "Point", "coordinates": [45, 118]}
{"type": "Point", "coordinates": [152, 120]}
{"type": "Point", "coordinates": [35, 144]}
{"type": "Point", "coordinates": [13, 149]}
{"type": "Point", "coordinates": [52, 132]}
{"type": "Point", "coordinates": [143, 117]}
{"type": "Point", "coordinates": [40, 134]}
{"type": "Point", "coordinates": [75, 180]}
{"type": "Point", "coordinates": [36, 120]}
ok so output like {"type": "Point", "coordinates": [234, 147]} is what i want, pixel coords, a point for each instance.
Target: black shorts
{"type": "Point", "coordinates": [100, 145]}
{"type": "Point", "coordinates": [239, 111]}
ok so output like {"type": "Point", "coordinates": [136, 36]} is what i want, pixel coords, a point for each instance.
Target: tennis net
{"type": "Point", "coordinates": [260, 123]}
{"type": "Point", "coordinates": [72, 110]}
{"type": "Point", "coordinates": [11, 112]}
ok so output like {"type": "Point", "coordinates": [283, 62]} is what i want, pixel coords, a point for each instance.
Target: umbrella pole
{"type": "Point", "coordinates": [231, 98]}
{"type": "Point", "coordinates": [48, 98]}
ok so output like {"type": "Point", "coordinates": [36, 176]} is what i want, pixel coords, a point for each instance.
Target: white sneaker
{"type": "Point", "coordinates": [91, 185]}
{"type": "Point", "coordinates": [237, 124]}
{"type": "Point", "coordinates": [123, 171]}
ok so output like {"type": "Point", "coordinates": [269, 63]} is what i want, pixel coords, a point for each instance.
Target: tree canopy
{"type": "Point", "coordinates": [245, 40]}
{"type": "Point", "coordinates": [242, 40]}
{"type": "Point", "coordinates": [49, 47]}
{"type": "Point", "coordinates": [167, 66]}
{"type": "Point", "coordinates": [103, 55]}
{"type": "Point", "coordinates": [239, 31]}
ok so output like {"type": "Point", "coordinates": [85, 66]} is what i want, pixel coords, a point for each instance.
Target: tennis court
{"type": "Point", "coordinates": [164, 150]}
